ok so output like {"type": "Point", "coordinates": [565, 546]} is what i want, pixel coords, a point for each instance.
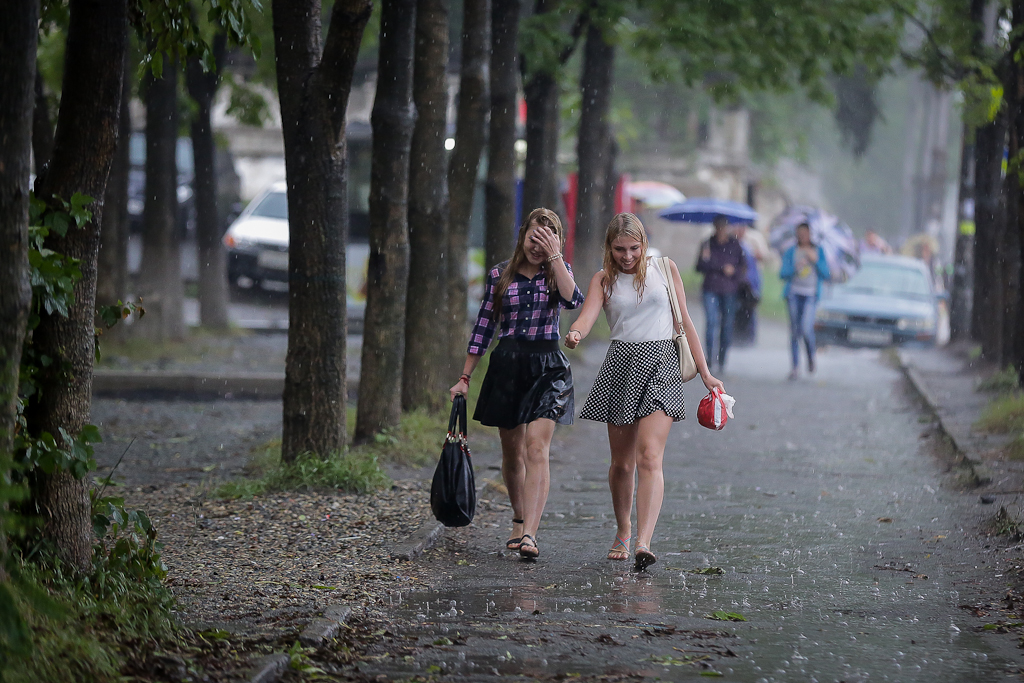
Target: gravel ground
{"type": "Point", "coordinates": [244, 565]}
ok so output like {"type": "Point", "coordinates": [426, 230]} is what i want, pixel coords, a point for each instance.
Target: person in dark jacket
{"type": "Point", "coordinates": [724, 266]}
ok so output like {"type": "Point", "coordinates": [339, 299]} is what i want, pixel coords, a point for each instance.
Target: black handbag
{"type": "Point", "coordinates": [453, 491]}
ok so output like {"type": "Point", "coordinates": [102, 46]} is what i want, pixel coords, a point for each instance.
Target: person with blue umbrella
{"type": "Point", "coordinates": [724, 266]}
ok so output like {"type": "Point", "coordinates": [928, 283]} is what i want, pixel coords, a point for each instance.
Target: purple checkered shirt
{"type": "Point", "coordinates": [525, 313]}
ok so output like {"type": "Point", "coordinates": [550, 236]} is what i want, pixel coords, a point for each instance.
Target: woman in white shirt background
{"type": "Point", "coordinates": [639, 390]}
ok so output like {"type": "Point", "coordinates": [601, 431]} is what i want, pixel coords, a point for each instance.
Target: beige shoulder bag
{"type": "Point", "coordinates": [687, 366]}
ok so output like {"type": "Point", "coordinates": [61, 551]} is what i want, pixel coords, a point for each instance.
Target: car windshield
{"type": "Point", "coordinates": [889, 280]}
{"type": "Point", "coordinates": [274, 205]}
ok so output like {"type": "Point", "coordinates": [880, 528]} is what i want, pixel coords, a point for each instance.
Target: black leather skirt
{"type": "Point", "coordinates": [525, 381]}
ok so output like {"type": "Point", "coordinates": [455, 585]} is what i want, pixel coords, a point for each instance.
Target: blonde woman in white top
{"type": "Point", "coordinates": [639, 390]}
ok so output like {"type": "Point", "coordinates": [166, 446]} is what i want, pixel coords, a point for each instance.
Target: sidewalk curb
{"type": "Point", "coordinates": [255, 385]}
{"type": "Point", "coordinates": [322, 629]}
{"type": "Point", "coordinates": [418, 541]}
{"type": "Point", "coordinates": [976, 469]}
{"type": "Point", "coordinates": [269, 669]}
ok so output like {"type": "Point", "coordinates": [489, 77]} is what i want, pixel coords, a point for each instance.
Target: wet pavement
{"type": "Point", "coordinates": [819, 515]}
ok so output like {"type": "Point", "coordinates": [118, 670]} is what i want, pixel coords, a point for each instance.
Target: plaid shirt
{"type": "Point", "coordinates": [525, 313]}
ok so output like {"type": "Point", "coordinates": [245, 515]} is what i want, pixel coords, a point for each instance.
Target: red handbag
{"type": "Point", "coordinates": [711, 412]}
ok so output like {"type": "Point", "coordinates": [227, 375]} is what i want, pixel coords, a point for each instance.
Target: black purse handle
{"type": "Point", "coordinates": [458, 415]}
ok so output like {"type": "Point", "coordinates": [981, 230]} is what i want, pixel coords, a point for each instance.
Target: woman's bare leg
{"type": "Point", "coordinates": [622, 441]}
{"type": "Point", "coordinates": [513, 471]}
{"type": "Point", "coordinates": [652, 433]}
{"type": "Point", "coordinates": [538, 475]}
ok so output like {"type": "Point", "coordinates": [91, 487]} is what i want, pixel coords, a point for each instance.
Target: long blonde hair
{"type": "Point", "coordinates": [540, 217]}
{"type": "Point", "coordinates": [625, 225]}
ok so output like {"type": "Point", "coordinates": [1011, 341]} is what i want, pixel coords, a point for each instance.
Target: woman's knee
{"type": "Point", "coordinates": [537, 451]}
{"type": "Point", "coordinates": [649, 458]}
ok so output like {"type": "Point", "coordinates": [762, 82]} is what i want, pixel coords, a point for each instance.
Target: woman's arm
{"type": "Point", "coordinates": [462, 386]}
{"type": "Point", "coordinates": [691, 334]}
{"type": "Point", "coordinates": [552, 246]}
{"type": "Point", "coordinates": [588, 315]}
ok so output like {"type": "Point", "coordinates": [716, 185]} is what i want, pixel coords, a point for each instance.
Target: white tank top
{"type": "Point", "coordinates": [647, 320]}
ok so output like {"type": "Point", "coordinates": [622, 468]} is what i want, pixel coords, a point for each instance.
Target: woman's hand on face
{"type": "Point", "coordinates": [712, 383]}
{"type": "Point", "coordinates": [573, 338]}
{"type": "Point", "coordinates": [461, 387]}
{"type": "Point", "coordinates": [546, 239]}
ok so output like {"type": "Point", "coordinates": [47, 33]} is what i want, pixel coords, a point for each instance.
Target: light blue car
{"type": "Point", "coordinates": [890, 300]}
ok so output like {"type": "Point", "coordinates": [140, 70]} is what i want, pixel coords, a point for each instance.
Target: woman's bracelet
{"type": "Point", "coordinates": [554, 256]}
{"type": "Point", "coordinates": [465, 377]}
{"type": "Point", "coordinates": [576, 331]}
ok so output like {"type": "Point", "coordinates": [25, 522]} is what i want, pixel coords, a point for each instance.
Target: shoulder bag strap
{"type": "Point", "coordinates": [666, 270]}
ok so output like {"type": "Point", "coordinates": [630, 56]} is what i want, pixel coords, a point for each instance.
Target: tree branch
{"type": "Point", "coordinates": [345, 34]}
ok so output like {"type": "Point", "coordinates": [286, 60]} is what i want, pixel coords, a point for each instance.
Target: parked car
{"type": "Point", "coordinates": [257, 244]}
{"type": "Point", "coordinates": [889, 300]}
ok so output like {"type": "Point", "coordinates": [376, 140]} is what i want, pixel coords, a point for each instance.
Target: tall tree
{"type": "Point", "coordinates": [17, 77]}
{"type": "Point", "coordinates": [426, 361]}
{"type": "Point", "coordinates": [213, 274]}
{"type": "Point", "coordinates": [314, 86]}
{"type": "Point", "coordinates": [387, 273]}
{"type": "Point", "coordinates": [545, 48]}
{"type": "Point", "coordinates": [160, 283]}
{"type": "Point", "coordinates": [470, 138]}
{"type": "Point", "coordinates": [112, 264]}
{"type": "Point", "coordinates": [84, 145]}
{"type": "Point", "coordinates": [593, 146]}
{"type": "Point", "coordinates": [501, 154]}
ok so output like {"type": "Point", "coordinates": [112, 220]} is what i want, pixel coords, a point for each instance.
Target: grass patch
{"type": "Point", "coordinates": [354, 471]}
{"type": "Point", "coordinates": [1004, 415]}
{"type": "Point", "coordinates": [1006, 524]}
{"type": "Point", "coordinates": [200, 344]}
{"type": "Point", "coordinates": [1004, 381]}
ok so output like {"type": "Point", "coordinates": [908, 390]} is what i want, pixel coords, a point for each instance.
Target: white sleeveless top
{"type": "Point", "coordinates": [647, 320]}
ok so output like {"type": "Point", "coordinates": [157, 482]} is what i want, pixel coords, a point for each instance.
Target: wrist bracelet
{"type": "Point", "coordinates": [465, 377]}
{"type": "Point", "coordinates": [554, 256]}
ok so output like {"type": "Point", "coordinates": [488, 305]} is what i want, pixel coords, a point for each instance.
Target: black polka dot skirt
{"type": "Point", "coordinates": [636, 380]}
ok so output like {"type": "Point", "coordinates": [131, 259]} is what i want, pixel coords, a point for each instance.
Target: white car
{"type": "Point", "coordinates": [257, 244]}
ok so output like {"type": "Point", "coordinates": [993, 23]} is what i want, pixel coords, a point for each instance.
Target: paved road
{"type": "Point", "coordinates": [842, 541]}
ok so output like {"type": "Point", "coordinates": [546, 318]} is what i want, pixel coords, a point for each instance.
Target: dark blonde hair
{"type": "Point", "coordinates": [541, 216]}
{"type": "Point", "coordinates": [625, 225]}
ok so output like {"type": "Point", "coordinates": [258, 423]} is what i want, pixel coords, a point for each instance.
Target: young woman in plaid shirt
{"type": "Point", "coordinates": [528, 385]}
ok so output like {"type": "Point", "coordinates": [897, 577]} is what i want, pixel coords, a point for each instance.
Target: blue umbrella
{"type": "Point", "coordinates": [704, 210]}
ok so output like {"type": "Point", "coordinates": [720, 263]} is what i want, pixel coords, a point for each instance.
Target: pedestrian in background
{"type": "Point", "coordinates": [639, 390]}
{"type": "Point", "coordinates": [804, 268]}
{"type": "Point", "coordinates": [745, 329]}
{"type": "Point", "coordinates": [725, 268]}
{"type": "Point", "coordinates": [528, 385]}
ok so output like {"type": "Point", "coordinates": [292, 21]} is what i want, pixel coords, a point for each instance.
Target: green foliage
{"type": "Point", "coordinates": [722, 615]}
{"type": "Point", "coordinates": [1003, 381]}
{"type": "Point", "coordinates": [172, 27]}
{"type": "Point", "coordinates": [247, 104]}
{"type": "Point", "coordinates": [1003, 415]}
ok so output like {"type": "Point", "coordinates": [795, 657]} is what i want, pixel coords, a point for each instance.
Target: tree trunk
{"type": "Point", "coordinates": [501, 154]}
{"type": "Point", "coordinates": [42, 126]}
{"type": "Point", "coordinates": [387, 273]}
{"type": "Point", "coordinates": [1015, 196]}
{"type": "Point", "coordinates": [314, 88]}
{"type": "Point", "coordinates": [470, 138]}
{"type": "Point", "coordinates": [424, 377]}
{"type": "Point", "coordinates": [962, 294]}
{"type": "Point", "coordinates": [84, 146]}
{"type": "Point", "coordinates": [540, 172]}
{"type": "Point", "coordinates": [989, 213]}
{"type": "Point", "coordinates": [213, 259]}
{"type": "Point", "coordinates": [160, 283]}
{"type": "Point", "coordinates": [17, 75]}
{"type": "Point", "coordinates": [112, 271]}
{"type": "Point", "coordinates": [593, 147]}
